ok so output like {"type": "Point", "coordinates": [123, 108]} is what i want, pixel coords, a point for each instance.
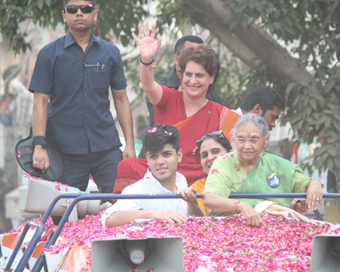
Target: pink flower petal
{"type": "Point", "coordinates": [209, 244]}
{"type": "Point", "coordinates": [215, 170]}
{"type": "Point", "coordinates": [152, 130]}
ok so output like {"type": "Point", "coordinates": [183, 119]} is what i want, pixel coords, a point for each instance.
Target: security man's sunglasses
{"type": "Point", "coordinates": [73, 9]}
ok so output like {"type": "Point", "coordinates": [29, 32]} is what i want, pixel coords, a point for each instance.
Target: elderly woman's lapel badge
{"type": "Point", "coordinates": [273, 180]}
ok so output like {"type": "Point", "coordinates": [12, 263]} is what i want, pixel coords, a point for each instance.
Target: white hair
{"type": "Point", "coordinates": [258, 120]}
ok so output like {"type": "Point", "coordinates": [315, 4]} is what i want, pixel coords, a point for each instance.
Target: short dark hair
{"type": "Point", "coordinates": [265, 96]}
{"type": "Point", "coordinates": [65, 2]}
{"type": "Point", "coordinates": [158, 136]}
{"type": "Point", "coordinates": [204, 55]}
{"type": "Point", "coordinates": [187, 38]}
{"type": "Point", "coordinates": [221, 139]}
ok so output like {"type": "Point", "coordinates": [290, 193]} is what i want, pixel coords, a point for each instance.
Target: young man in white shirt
{"type": "Point", "coordinates": [163, 153]}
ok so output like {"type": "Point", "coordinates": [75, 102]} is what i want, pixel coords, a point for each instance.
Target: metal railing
{"type": "Point", "coordinates": [81, 196]}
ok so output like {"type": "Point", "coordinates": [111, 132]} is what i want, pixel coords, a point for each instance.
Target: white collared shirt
{"type": "Point", "coordinates": [150, 185]}
{"type": "Point", "coordinates": [238, 111]}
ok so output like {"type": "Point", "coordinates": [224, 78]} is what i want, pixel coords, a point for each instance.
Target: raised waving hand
{"type": "Point", "coordinates": [148, 49]}
{"type": "Point", "coordinates": [147, 46]}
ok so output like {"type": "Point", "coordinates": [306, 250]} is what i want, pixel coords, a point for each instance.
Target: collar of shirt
{"type": "Point", "coordinates": [69, 40]}
{"type": "Point", "coordinates": [181, 181]}
{"type": "Point", "coordinates": [238, 111]}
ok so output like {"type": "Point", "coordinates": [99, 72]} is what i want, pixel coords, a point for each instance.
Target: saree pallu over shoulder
{"type": "Point", "coordinates": [271, 174]}
{"type": "Point", "coordinates": [207, 119]}
{"type": "Point", "coordinates": [211, 117]}
{"type": "Point", "coordinates": [182, 123]}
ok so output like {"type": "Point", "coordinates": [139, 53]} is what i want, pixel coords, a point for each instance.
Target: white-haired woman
{"type": "Point", "coordinates": [249, 170]}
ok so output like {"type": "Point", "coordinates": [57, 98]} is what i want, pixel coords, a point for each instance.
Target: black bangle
{"type": "Point", "coordinates": [146, 64]}
{"type": "Point", "coordinates": [39, 140]}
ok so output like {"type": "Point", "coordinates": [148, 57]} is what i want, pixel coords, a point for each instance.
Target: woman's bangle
{"type": "Point", "coordinates": [146, 64]}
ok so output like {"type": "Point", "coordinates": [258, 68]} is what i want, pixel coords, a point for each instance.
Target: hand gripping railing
{"type": "Point", "coordinates": [79, 197]}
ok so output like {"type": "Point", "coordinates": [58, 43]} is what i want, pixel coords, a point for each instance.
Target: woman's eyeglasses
{"type": "Point", "coordinates": [252, 141]}
{"type": "Point", "coordinates": [73, 9]}
{"type": "Point", "coordinates": [214, 133]}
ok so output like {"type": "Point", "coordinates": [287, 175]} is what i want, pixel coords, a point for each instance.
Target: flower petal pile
{"type": "Point", "coordinates": [210, 244]}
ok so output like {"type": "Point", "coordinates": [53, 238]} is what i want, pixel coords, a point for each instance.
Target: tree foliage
{"type": "Point", "coordinates": [291, 45]}
{"type": "Point", "coordinates": [309, 30]}
{"type": "Point", "coordinates": [116, 19]}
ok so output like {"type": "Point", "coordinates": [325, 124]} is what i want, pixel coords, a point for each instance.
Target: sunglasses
{"type": "Point", "coordinates": [85, 9]}
{"type": "Point", "coordinates": [214, 133]}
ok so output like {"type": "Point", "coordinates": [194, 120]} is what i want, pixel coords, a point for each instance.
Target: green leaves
{"type": "Point", "coordinates": [240, 6]}
{"type": "Point", "coordinates": [40, 3]}
{"type": "Point", "coordinates": [326, 157]}
{"type": "Point", "coordinates": [329, 85]}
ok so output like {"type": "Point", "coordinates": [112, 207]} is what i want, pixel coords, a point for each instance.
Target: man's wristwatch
{"type": "Point", "coordinates": [39, 140]}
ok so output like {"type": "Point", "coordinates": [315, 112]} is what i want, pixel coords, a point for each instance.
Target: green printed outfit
{"type": "Point", "coordinates": [271, 174]}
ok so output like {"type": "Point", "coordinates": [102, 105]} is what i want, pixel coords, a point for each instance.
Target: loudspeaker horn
{"type": "Point", "coordinates": [326, 252]}
{"type": "Point", "coordinates": [122, 254]}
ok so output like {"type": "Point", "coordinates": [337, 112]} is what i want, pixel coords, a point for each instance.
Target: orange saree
{"type": "Point", "coordinates": [199, 186]}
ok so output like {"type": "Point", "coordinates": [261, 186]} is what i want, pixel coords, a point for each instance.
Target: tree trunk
{"type": "Point", "coordinates": [251, 43]}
